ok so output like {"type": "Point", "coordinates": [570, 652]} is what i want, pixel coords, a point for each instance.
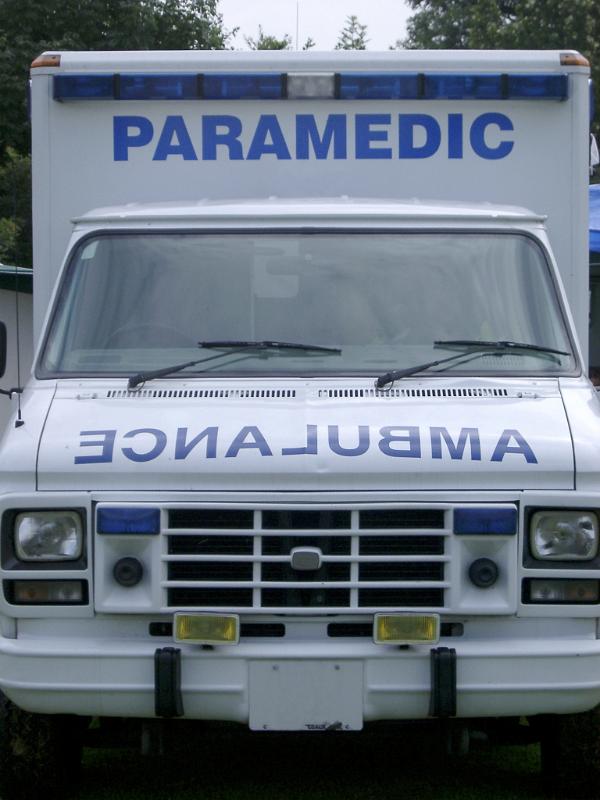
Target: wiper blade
{"type": "Point", "coordinates": [499, 345]}
{"type": "Point", "coordinates": [267, 345]}
{"type": "Point", "coordinates": [474, 346]}
{"type": "Point", "coordinates": [230, 347]}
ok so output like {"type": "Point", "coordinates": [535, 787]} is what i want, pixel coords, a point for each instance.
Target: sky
{"type": "Point", "coordinates": [322, 20]}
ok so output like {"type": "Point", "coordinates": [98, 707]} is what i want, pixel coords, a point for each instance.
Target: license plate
{"type": "Point", "coordinates": [306, 695]}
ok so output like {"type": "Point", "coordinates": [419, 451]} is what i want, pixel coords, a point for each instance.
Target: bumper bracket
{"type": "Point", "coordinates": [443, 682]}
{"type": "Point", "coordinates": [167, 682]}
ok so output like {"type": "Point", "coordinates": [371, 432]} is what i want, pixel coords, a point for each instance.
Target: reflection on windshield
{"type": "Point", "coordinates": [142, 301]}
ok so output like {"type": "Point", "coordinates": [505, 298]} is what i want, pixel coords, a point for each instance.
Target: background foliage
{"type": "Point", "coordinates": [29, 27]}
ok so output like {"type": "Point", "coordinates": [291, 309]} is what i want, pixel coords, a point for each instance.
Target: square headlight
{"type": "Point", "coordinates": [564, 535]}
{"type": "Point", "coordinates": [48, 536]}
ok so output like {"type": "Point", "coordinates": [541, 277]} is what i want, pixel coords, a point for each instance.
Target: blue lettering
{"type": "Point", "coordinates": [411, 437]}
{"type": "Point", "coordinates": [268, 127]}
{"type": "Point", "coordinates": [258, 442]}
{"type": "Point", "coordinates": [361, 448]}
{"type": "Point", "coordinates": [123, 139]}
{"type": "Point", "coordinates": [214, 135]}
{"type": "Point", "coordinates": [406, 134]}
{"type": "Point", "coordinates": [174, 141]}
{"type": "Point", "coordinates": [456, 451]}
{"type": "Point", "coordinates": [311, 444]}
{"type": "Point", "coordinates": [160, 442]}
{"type": "Point", "coordinates": [307, 131]}
{"type": "Point", "coordinates": [106, 444]}
{"type": "Point", "coordinates": [455, 135]}
{"type": "Point", "coordinates": [365, 135]}
{"type": "Point", "coordinates": [521, 448]}
{"type": "Point", "coordinates": [478, 132]}
{"type": "Point", "coordinates": [183, 448]}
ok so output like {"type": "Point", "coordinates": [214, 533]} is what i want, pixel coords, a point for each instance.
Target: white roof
{"type": "Point", "coordinates": [331, 61]}
{"type": "Point", "coordinates": [309, 211]}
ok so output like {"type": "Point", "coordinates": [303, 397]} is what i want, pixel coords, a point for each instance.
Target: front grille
{"type": "Point", "coordinates": [247, 559]}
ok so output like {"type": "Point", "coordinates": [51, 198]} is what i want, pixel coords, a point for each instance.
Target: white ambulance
{"type": "Point", "coordinates": [308, 440]}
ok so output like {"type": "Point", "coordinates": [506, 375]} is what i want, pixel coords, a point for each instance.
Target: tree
{"type": "Point", "coordinates": [266, 42]}
{"type": "Point", "coordinates": [29, 27]}
{"type": "Point", "coordinates": [15, 209]}
{"type": "Point", "coordinates": [353, 36]}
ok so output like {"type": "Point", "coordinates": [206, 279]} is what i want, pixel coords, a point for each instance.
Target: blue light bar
{"type": "Point", "coordinates": [477, 521]}
{"type": "Point", "coordinates": [83, 87]}
{"type": "Point", "coordinates": [349, 86]}
{"type": "Point", "coordinates": [543, 87]}
{"type": "Point", "coordinates": [451, 86]}
{"type": "Point", "coordinates": [463, 87]}
{"type": "Point", "coordinates": [128, 520]}
{"type": "Point", "coordinates": [230, 86]}
{"type": "Point", "coordinates": [158, 87]}
{"type": "Point", "coordinates": [385, 86]}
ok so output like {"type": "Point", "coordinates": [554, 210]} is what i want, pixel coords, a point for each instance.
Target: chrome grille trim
{"type": "Point", "coordinates": [406, 563]}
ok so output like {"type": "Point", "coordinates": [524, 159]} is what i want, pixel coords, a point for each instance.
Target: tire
{"type": "Point", "coordinates": [40, 755]}
{"type": "Point", "coordinates": [570, 754]}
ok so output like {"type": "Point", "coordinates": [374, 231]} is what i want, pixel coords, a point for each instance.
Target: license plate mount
{"type": "Point", "coordinates": [306, 695]}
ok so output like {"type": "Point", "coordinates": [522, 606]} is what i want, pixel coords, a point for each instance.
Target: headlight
{"type": "Point", "coordinates": [564, 535]}
{"type": "Point", "coordinates": [48, 536]}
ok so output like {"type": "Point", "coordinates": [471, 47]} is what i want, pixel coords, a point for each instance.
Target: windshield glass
{"type": "Point", "coordinates": [135, 302]}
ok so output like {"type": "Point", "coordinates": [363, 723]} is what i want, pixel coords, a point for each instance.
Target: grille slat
{"type": "Point", "coordinates": [364, 558]}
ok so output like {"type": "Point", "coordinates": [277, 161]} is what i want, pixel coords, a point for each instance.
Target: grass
{"type": "Point", "coordinates": [225, 766]}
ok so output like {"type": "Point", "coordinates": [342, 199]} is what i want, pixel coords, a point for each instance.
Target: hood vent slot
{"type": "Point", "coordinates": [202, 394]}
{"type": "Point", "coordinates": [377, 394]}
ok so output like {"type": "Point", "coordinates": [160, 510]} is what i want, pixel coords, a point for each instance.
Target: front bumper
{"type": "Point", "coordinates": [503, 676]}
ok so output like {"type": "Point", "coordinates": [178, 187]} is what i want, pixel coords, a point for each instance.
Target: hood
{"type": "Point", "coordinates": [307, 435]}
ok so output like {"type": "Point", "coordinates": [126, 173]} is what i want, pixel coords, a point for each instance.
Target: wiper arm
{"type": "Point", "coordinates": [500, 345]}
{"type": "Point", "coordinates": [395, 375]}
{"type": "Point", "coordinates": [231, 347]}
{"type": "Point", "coordinates": [142, 377]}
{"type": "Point", "coordinates": [474, 347]}
{"type": "Point", "coordinates": [267, 345]}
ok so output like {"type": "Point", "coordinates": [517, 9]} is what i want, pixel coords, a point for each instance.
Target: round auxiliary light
{"type": "Point", "coordinates": [483, 573]}
{"type": "Point", "coordinates": [128, 571]}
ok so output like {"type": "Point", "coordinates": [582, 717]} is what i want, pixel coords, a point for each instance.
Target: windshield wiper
{"type": "Point", "coordinates": [500, 345]}
{"type": "Point", "coordinates": [267, 345]}
{"type": "Point", "coordinates": [474, 348]}
{"type": "Point", "coordinates": [230, 347]}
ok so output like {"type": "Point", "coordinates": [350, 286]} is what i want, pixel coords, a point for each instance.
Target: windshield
{"type": "Point", "coordinates": [135, 302]}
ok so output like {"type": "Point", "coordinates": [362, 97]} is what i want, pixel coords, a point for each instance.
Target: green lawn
{"type": "Point", "coordinates": [222, 766]}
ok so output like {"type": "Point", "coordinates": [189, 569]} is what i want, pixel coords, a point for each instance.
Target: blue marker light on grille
{"type": "Point", "coordinates": [128, 520]}
{"type": "Point", "coordinates": [476, 521]}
